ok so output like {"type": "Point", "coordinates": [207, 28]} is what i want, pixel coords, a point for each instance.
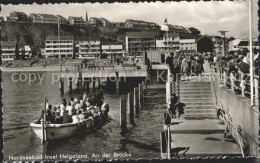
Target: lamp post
{"type": "Point", "coordinates": [223, 33]}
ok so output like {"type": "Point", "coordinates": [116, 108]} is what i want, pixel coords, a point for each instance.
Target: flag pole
{"type": "Point", "coordinates": [251, 54]}
{"type": "Point", "coordinates": [59, 44]}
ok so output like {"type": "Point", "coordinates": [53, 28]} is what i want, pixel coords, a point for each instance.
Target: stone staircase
{"type": "Point", "coordinates": [198, 98]}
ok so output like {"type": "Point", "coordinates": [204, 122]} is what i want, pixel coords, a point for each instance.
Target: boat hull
{"type": "Point", "coordinates": [59, 131]}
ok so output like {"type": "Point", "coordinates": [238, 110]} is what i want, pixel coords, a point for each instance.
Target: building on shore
{"type": "Point", "coordinates": [204, 44]}
{"type": "Point", "coordinates": [119, 24]}
{"type": "Point", "coordinates": [177, 29]}
{"type": "Point", "coordinates": [239, 44]}
{"type": "Point", "coordinates": [89, 49]}
{"type": "Point", "coordinates": [18, 16]}
{"type": "Point", "coordinates": [173, 42]}
{"type": "Point", "coordinates": [137, 42]}
{"type": "Point", "coordinates": [112, 50]}
{"type": "Point", "coordinates": [47, 18]}
{"type": "Point", "coordinates": [25, 52]}
{"type": "Point", "coordinates": [76, 20]}
{"type": "Point", "coordinates": [8, 50]}
{"type": "Point", "coordinates": [94, 21]}
{"type": "Point", "coordinates": [139, 24]}
{"type": "Point", "coordinates": [194, 31]}
{"type": "Point", "coordinates": [188, 46]}
{"type": "Point", "coordinates": [55, 47]}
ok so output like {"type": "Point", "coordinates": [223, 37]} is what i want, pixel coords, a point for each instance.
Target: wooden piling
{"type": "Point", "coordinates": [70, 85]}
{"type": "Point", "coordinates": [117, 84]}
{"type": "Point", "coordinates": [61, 86]}
{"type": "Point", "coordinates": [140, 94]}
{"type": "Point", "coordinates": [123, 114]}
{"type": "Point", "coordinates": [131, 107]}
{"type": "Point", "coordinates": [86, 80]}
{"type": "Point", "coordinates": [93, 84]}
{"type": "Point", "coordinates": [136, 101]}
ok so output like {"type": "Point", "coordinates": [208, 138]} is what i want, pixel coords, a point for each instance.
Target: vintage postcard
{"type": "Point", "coordinates": [102, 81]}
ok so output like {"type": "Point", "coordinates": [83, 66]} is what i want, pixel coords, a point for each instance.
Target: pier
{"type": "Point", "coordinates": [216, 120]}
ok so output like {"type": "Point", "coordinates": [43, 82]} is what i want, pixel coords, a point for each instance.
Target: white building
{"type": "Point", "coordinates": [239, 44]}
{"type": "Point", "coordinates": [26, 50]}
{"type": "Point", "coordinates": [172, 41]}
{"type": "Point", "coordinates": [89, 49]}
{"type": "Point", "coordinates": [112, 50]}
{"type": "Point", "coordinates": [8, 50]}
{"type": "Point", "coordinates": [188, 45]}
{"type": "Point", "coordinates": [54, 47]}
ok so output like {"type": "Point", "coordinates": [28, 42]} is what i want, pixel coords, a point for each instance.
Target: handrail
{"type": "Point", "coordinates": [238, 81]}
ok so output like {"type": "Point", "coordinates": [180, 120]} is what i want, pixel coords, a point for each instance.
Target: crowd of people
{"type": "Point", "coordinates": [239, 66]}
{"type": "Point", "coordinates": [185, 64]}
{"type": "Point", "coordinates": [75, 110]}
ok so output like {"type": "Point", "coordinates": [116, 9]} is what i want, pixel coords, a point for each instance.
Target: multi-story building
{"type": "Point", "coordinates": [76, 20]}
{"type": "Point", "coordinates": [112, 50]}
{"type": "Point", "coordinates": [177, 29]}
{"type": "Point", "coordinates": [89, 49]}
{"type": "Point", "coordinates": [194, 31]}
{"type": "Point", "coordinates": [25, 52]}
{"type": "Point", "coordinates": [139, 24]}
{"type": "Point", "coordinates": [8, 50]}
{"type": "Point", "coordinates": [137, 42]}
{"type": "Point", "coordinates": [47, 18]}
{"type": "Point", "coordinates": [188, 46]}
{"type": "Point", "coordinates": [55, 46]}
{"type": "Point", "coordinates": [94, 21]}
{"type": "Point", "coordinates": [172, 42]}
{"type": "Point", "coordinates": [105, 22]}
{"type": "Point", "coordinates": [239, 44]}
{"type": "Point", "coordinates": [62, 20]}
{"type": "Point", "coordinates": [17, 16]}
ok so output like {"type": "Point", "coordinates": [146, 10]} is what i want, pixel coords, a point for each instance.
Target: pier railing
{"type": "Point", "coordinates": [239, 82]}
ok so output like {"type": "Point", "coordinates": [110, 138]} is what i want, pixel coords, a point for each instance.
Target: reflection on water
{"type": "Point", "coordinates": [22, 105]}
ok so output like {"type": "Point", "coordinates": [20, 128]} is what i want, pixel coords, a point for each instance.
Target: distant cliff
{"type": "Point", "coordinates": [34, 34]}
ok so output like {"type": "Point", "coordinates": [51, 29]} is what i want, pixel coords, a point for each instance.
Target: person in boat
{"type": "Point", "coordinates": [62, 109]}
{"type": "Point", "coordinates": [77, 104]}
{"type": "Point", "coordinates": [72, 101]}
{"type": "Point", "coordinates": [81, 116]}
{"type": "Point", "coordinates": [41, 118]}
{"type": "Point", "coordinates": [75, 118]}
{"type": "Point", "coordinates": [66, 118]}
{"type": "Point", "coordinates": [58, 118]}
{"type": "Point", "coordinates": [49, 117]}
{"type": "Point", "coordinates": [64, 103]}
{"type": "Point", "coordinates": [81, 102]}
{"type": "Point", "coordinates": [69, 108]}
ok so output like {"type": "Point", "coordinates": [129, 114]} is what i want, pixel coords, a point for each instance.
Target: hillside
{"type": "Point", "coordinates": [34, 34]}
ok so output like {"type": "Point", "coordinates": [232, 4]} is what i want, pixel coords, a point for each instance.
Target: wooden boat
{"type": "Point", "coordinates": [58, 131]}
{"type": "Point", "coordinates": [46, 131]}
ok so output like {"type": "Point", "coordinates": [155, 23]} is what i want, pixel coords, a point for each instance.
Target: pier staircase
{"type": "Point", "coordinates": [198, 98]}
{"type": "Point", "coordinates": [199, 128]}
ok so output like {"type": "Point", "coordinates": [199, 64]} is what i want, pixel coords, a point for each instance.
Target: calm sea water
{"type": "Point", "coordinates": [23, 102]}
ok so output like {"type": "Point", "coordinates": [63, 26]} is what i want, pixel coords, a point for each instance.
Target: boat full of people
{"type": "Point", "coordinates": [71, 117]}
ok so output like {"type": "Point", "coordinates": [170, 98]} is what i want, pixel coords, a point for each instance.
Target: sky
{"type": "Point", "coordinates": [208, 17]}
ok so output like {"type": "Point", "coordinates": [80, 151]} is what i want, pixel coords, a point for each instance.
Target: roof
{"type": "Point", "coordinates": [187, 41]}
{"type": "Point", "coordinates": [61, 38]}
{"type": "Point", "coordinates": [104, 19]}
{"type": "Point", "coordinates": [16, 12]}
{"type": "Point", "coordinates": [108, 47]}
{"type": "Point", "coordinates": [8, 43]}
{"type": "Point", "coordinates": [48, 16]}
{"type": "Point", "coordinates": [243, 43]}
{"type": "Point", "coordinates": [141, 34]}
{"type": "Point", "coordinates": [76, 18]}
